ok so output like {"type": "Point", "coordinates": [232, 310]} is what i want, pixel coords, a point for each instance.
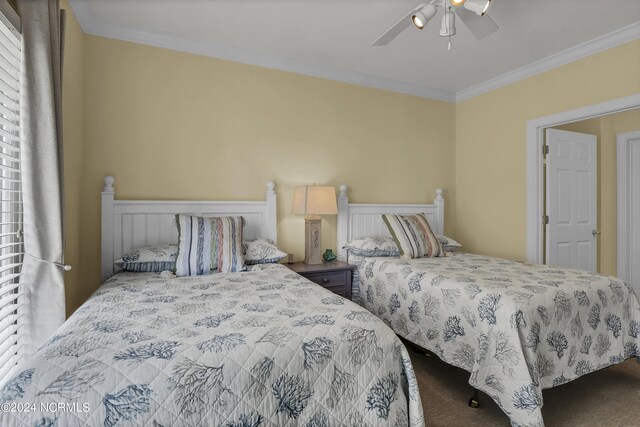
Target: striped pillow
{"type": "Point", "coordinates": [207, 244]}
{"type": "Point", "coordinates": [413, 236]}
{"type": "Point", "coordinates": [230, 257]}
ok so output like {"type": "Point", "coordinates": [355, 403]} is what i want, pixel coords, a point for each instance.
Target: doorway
{"type": "Point", "coordinates": [613, 198]}
{"type": "Point", "coordinates": [603, 117]}
{"type": "Point", "coordinates": [628, 206]}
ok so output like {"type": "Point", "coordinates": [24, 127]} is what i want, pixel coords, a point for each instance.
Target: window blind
{"type": "Point", "coordinates": [11, 246]}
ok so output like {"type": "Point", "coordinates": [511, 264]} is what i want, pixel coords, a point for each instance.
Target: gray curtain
{"type": "Point", "coordinates": [41, 128]}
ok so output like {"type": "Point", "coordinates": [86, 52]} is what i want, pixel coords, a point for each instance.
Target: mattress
{"type": "Point", "coordinates": [517, 328]}
{"type": "Point", "coordinates": [265, 347]}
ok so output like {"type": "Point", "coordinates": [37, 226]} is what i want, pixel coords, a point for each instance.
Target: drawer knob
{"type": "Point", "coordinates": [325, 280]}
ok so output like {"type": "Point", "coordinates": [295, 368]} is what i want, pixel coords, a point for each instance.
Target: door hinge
{"type": "Point", "coordinates": [545, 150]}
{"type": "Point", "coordinates": [545, 219]}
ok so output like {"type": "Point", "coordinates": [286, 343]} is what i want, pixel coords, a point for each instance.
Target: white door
{"type": "Point", "coordinates": [571, 200]}
{"type": "Point", "coordinates": [628, 224]}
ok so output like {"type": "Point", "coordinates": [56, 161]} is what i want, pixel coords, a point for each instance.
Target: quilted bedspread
{"type": "Point", "coordinates": [517, 328]}
{"type": "Point", "coordinates": [264, 347]}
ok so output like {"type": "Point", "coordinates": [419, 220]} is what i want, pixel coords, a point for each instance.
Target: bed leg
{"type": "Point", "coordinates": [474, 402]}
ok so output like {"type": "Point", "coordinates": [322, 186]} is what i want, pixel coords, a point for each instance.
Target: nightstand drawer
{"type": "Point", "coordinates": [334, 276]}
{"type": "Point", "coordinates": [328, 280]}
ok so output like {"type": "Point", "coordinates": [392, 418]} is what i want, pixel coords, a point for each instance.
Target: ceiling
{"type": "Point", "coordinates": [332, 38]}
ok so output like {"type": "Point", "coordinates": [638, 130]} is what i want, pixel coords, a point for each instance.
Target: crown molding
{"type": "Point", "coordinates": [91, 25]}
{"type": "Point", "coordinates": [599, 44]}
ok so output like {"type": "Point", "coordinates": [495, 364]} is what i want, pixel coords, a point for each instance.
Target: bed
{"type": "Point", "coordinates": [516, 328]}
{"type": "Point", "coordinates": [261, 347]}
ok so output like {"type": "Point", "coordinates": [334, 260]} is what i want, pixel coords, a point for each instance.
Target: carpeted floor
{"type": "Point", "coordinates": [609, 397]}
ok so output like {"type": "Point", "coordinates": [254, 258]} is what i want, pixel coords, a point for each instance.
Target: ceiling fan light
{"type": "Point", "coordinates": [479, 7]}
{"type": "Point", "coordinates": [419, 20]}
{"type": "Point", "coordinates": [457, 3]}
{"type": "Point", "coordinates": [421, 17]}
{"type": "Point", "coordinates": [486, 7]}
{"type": "Point", "coordinates": [448, 27]}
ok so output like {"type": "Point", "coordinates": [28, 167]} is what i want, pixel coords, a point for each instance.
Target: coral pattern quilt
{"type": "Point", "coordinates": [258, 348]}
{"type": "Point", "coordinates": [517, 328]}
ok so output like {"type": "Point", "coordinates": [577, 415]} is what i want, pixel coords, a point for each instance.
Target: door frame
{"type": "Point", "coordinates": [622, 191]}
{"type": "Point", "coordinates": [535, 174]}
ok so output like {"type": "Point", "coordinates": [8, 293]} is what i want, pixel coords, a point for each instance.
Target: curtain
{"type": "Point", "coordinates": [42, 185]}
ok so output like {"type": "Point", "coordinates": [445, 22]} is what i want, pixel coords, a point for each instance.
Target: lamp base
{"type": "Point", "coordinates": [312, 246]}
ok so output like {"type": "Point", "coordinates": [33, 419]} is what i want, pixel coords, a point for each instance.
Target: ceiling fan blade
{"type": "Point", "coordinates": [397, 28]}
{"type": "Point", "coordinates": [480, 26]}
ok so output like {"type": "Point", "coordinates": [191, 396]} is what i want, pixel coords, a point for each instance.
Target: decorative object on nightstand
{"type": "Point", "coordinates": [334, 276]}
{"type": "Point", "coordinates": [329, 256]}
{"type": "Point", "coordinates": [314, 200]}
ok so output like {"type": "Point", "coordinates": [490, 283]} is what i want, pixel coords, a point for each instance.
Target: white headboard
{"type": "Point", "coordinates": [360, 220]}
{"type": "Point", "coordinates": [130, 224]}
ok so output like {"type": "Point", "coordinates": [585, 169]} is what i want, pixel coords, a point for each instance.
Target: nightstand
{"type": "Point", "coordinates": [334, 276]}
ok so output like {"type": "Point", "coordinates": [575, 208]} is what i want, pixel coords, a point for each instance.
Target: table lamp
{"type": "Point", "coordinates": [314, 200]}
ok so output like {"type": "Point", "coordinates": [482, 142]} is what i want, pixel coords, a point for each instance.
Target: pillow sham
{"type": "Point", "coordinates": [207, 244]}
{"type": "Point", "coordinates": [381, 246]}
{"type": "Point", "coordinates": [230, 257]}
{"type": "Point", "coordinates": [150, 259]}
{"type": "Point", "coordinates": [413, 236]}
{"type": "Point", "coordinates": [371, 246]}
{"type": "Point", "coordinates": [448, 244]}
{"type": "Point", "coordinates": [261, 251]}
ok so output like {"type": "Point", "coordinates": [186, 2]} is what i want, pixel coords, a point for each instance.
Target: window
{"type": "Point", "coordinates": [11, 247]}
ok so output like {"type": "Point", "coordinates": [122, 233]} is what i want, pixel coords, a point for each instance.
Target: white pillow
{"type": "Point", "coordinates": [372, 246]}
{"type": "Point", "coordinates": [448, 243]}
{"type": "Point", "coordinates": [261, 251]}
{"type": "Point", "coordinates": [379, 246]}
{"type": "Point", "coordinates": [149, 259]}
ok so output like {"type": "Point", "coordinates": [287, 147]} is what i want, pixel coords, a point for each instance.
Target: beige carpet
{"type": "Point", "coordinates": [609, 397]}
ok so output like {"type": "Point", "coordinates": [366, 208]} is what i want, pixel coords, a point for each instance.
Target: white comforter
{"type": "Point", "coordinates": [265, 348]}
{"type": "Point", "coordinates": [516, 328]}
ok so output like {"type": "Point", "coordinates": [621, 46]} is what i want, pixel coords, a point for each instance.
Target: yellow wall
{"type": "Point", "coordinates": [490, 197]}
{"type": "Point", "coordinates": [628, 121]}
{"type": "Point", "coordinates": [606, 128]}
{"type": "Point", "coordinates": [171, 125]}
{"type": "Point", "coordinates": [72, 105]}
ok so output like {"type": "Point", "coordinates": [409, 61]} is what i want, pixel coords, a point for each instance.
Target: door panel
{"type": "Point", "coordinates": [584, 255]}
{"type": "Point", "coordinates": [564, 203]}
{"type": "Point", "coordinates": [584, 197]}
{"type": "Point", "coordinates": [571, 200]}
{"type": "Point", "coordinates": [563, 253]}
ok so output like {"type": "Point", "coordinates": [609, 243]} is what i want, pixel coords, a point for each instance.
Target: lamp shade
{"type": "Point", "coordinates": [314, 200]}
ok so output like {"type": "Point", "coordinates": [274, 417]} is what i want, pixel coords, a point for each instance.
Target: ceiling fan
{"type": "Point", "coordinates": [471, 12]}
